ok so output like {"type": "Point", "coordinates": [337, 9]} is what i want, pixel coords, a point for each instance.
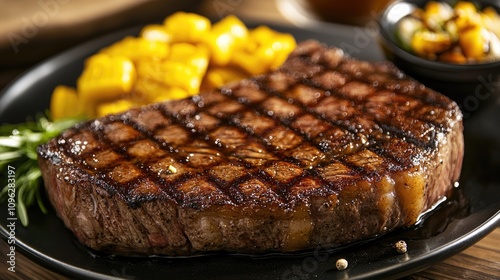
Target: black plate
{"type": "Point", "coordinates": [469, 215]}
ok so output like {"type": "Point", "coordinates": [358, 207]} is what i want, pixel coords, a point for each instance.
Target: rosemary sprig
{"type": "Point", "coordinates": [18, 143]}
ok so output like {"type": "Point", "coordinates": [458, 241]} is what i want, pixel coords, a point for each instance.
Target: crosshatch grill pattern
{"type": "Point", "coordinates": [318, 124]}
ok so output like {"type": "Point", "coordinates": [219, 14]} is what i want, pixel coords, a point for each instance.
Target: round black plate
{"type": "Point", "coordinates": [472, 212]}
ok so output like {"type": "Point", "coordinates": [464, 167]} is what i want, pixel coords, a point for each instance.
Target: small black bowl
{"type": "Point", "coordinates": [470, 85]}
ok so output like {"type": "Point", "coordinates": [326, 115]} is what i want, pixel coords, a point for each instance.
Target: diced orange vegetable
{"type": "Point", "coordinates": [453, 56]}
{"type": "Point", "coordinates": [473, 42]}
{"type": "Point", "coordinates": [467, 14]}
{"type": "Point", "coordinates": [427, 43]}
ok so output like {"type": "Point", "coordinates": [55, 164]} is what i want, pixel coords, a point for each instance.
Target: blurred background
{"type": "Point", "coordinates": [33, 30]}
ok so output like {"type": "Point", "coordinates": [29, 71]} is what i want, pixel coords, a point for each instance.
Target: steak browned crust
{"type": "Point", "coordinates": [325, 151]}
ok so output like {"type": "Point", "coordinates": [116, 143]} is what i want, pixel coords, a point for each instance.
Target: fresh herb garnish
{"type": "Point", "coordinates": [18, 143]}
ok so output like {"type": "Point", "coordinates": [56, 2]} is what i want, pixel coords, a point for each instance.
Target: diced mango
{"type": "Point", "coordinates": [153, 91]}
{"type": "Point", "coordinates": [169, 93]}
{"type": "Point", "coordinates": [195, 55]}
{"type": "Point", "coordinates": [187, 27]}
{"type": "Point", "coordinates": [114, 107]}
{"type": "Point", "coordinates": [136, 49]}
{"type": "Point", "coordinates": [284, 44]}
{"type": "Point", "coordinates": [218, 76]}
{"type": "Point", "coordinates": [171, 73]}
{"type": "Point", "coordinates": [64, 103]}
{"type": "Point", "coordinates": [156, 32]}
{"type": "Point", "coordinates": [104, 78]}
{"type": "Point", "coordinates": [265, 50]}
{"type": "Point", "coordinates": [170, 61]}
{"type": "Point", "coordinates": [226, 36]}
{"type": "Point", "coordinates": [184, 68]}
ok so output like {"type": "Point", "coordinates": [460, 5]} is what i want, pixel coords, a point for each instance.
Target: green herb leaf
{"type": "Point", "coordinates": [18, 145]}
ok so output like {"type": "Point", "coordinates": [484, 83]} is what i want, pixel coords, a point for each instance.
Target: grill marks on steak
{"type": "Point", "coordinates": [321, 128]}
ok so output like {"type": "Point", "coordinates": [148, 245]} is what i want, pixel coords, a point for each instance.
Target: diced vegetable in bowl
{"type": "Point", "coordinates": [463, 33]}
{"type": "Point", "coordinates": [446, 43]}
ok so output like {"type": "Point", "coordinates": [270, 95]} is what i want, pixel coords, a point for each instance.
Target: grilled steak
{"type": "Point", "coordinates": [324, 151]}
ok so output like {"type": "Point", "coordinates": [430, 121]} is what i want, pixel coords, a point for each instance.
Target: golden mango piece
{"type": "Point", "coordinates": [219, 76]}
{"type": "Point", "coordinates": [226, 36]}
{"type": "Point", "coordinates": [187, 27]}
{"type": "Point", "coordinates": [195, 55]}
{"type": "Point", "coordinates": [114, 107]}
{"type": "Point", "coordinates": [136, 49]}
{"type": "Point", "coordinates": [282, 46]}
{"type": "Point", "coordinates": [64, 103]}
{"type": "Point", "coordinates": [254, 63]}
{"type": "Point", "coordinates": [171, 93]}
{"type": "Point", "coordinates": [184, 68]}
{"type": "Point", "coordinates": [104, 78]}
{"type": "Point", "coordinates": [171, 73]}
{"type": "Point", "coordinates": [156, 32]}
{"type": "Point", "coordinates": [149, 91]}
{"type": "Point", "coordinates": [265, 49]}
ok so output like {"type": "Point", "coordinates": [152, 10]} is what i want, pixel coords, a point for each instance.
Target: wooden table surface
{"type": "Point", "coordinates": [480, 261]}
